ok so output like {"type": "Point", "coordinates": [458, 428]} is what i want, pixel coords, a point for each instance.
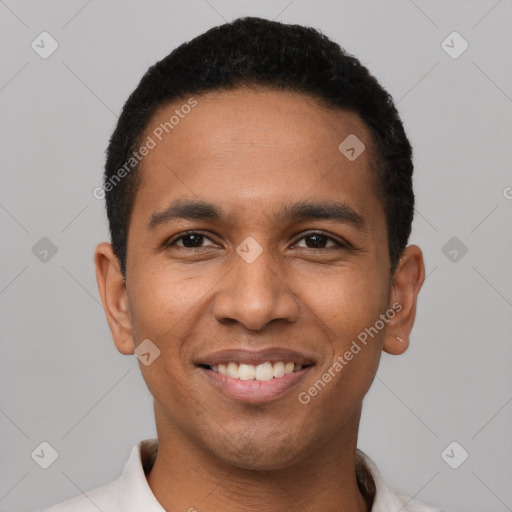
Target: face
{"type": "Point", "coordinates": [256, 248]}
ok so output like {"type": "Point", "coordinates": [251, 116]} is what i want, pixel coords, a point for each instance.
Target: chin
{"type": "Point", "coordinates": [257, 453]}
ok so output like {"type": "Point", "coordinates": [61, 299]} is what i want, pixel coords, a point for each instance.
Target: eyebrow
{"type": "Point", "coordinates": [299, 211]}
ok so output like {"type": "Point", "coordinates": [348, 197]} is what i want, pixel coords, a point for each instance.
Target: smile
{"type": "Point", "coordinates": [261, 372]}
{"type": "Point", "coordinates": [254, 384]}
{"type": "Point", "coordinates": [254, 377]}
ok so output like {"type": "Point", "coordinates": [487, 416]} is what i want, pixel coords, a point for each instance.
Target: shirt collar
{"type": "Point", "coordinates": [135, 493]}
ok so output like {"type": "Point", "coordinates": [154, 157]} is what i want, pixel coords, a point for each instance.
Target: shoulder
{"type": "Point", "coordinates": [406, 503]}
{"type": "Point", "coordinates": [100, 498]}
{"type": "Point", "coordinates": [129, 493]}
{"type": "Point", "coordinates": [385, 498]}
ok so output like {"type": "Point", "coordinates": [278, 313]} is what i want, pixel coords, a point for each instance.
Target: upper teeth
{"type": "Point", "coordinates": [264, 371]}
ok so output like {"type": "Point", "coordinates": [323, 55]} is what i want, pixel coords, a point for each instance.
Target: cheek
{"type": "Point", "coordinates": [165, 311]}
{"type": "Point", "coordinates": [162, 300]}
{"type": "Point", "coordinates": [359, 333]}
{"type": "Point", "coordinates": [348, 303]}
{"type": "Point", "coordinates": [168, 387]}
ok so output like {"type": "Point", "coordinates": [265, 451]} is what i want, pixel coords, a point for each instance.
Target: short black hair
{"type": "Point", "coordinates": [256, 52]}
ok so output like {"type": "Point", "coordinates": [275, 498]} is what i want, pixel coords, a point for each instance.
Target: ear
{"type": "Point", "coordinates": [407, 281]}
{"type": "Point", "coordinates": [114, 297]}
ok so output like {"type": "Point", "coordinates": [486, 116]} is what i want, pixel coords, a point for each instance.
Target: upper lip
{"type": "Point", "coordinates": [254, 357]}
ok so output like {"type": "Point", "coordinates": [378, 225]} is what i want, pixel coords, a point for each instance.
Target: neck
{"type": "Point", "coordinates": [185, 477]}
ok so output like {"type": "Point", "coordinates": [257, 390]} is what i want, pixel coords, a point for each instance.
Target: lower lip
{"type": "Point", "coordinates": [255, 391]}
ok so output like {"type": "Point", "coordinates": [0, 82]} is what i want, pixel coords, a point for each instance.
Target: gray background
{"type": "Point", "coordinates": [63, 381]}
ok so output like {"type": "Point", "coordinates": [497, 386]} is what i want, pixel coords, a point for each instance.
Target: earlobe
{"type": "Point", "coordinates": [396, 345]}
{"type": "Point", "coordinates": [114, 297]}
{"type": "Point", "coordinates": [408, 279]}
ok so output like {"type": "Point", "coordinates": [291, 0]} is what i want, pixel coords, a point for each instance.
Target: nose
{"type": "Point", "coordinates": [255, 293]}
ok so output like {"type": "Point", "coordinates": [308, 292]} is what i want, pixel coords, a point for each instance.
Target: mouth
{"type": "Point", "coordinates": [261, 372]}
{"type": "Point", "coordinates": [255, 377]}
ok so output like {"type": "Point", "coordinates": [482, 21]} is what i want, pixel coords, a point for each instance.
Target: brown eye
{"type": "Point", "coordinates": [320, 241]}
{"type": "Point", "coordinates": [190, 240]}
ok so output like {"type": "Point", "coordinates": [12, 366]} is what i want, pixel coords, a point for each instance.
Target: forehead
{"type": "Point", "coordinates": [252, 149]}
{"type": "Point", "coordinates": [236, 119]}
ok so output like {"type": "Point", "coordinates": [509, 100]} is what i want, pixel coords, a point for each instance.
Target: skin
{"type": "Point", "coordinates": [250, 152]}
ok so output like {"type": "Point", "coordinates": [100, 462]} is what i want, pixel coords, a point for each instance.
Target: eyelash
{"type": "Point", "coordinates": [339, 245]}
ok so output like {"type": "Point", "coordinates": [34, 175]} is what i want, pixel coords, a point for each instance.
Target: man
{"type": "Point", "coordinates": [259, 194]}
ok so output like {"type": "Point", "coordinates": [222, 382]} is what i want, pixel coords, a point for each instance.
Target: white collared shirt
{"type": "Point", "coordinates": [131, 491]}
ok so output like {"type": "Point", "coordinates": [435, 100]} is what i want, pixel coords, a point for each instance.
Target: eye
{"type": "Point", "coordinates": [313, 240]}
{"type": "Point", "coordinates": [190, 240]}
{"type": "Point", "coordinates": [320, 240]}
